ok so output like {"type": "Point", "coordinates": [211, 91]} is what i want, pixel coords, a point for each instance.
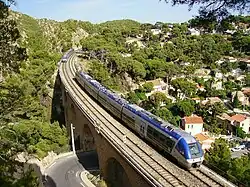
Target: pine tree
{"type": "Point", "coordinates": [236, 101]}
{"type": "Point", "coordinates": [10, 53]}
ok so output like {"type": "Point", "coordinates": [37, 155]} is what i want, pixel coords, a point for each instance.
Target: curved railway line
{"type": "Point", "coordinates": [157, 170]}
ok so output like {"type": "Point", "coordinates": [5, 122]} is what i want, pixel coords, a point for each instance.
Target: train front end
{"type": "Point", "coordinates": [196, 155]}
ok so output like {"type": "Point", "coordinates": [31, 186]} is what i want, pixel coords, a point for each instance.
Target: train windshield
{"type": "Point", "coordinates": [194, 150]}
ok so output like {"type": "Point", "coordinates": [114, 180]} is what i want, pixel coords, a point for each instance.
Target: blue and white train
{"type": "Point", "coordinates": [166, 137]}
{"type": "Point", "coordinates": [67, 55]}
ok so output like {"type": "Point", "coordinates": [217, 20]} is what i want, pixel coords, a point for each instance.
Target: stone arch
{"type": "Point", "coordinates": [87, 140]}
{"type": "Point", "coordinates": [116, 175]}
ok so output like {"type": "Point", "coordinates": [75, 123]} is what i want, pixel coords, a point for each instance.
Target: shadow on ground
{"type": "Point", "coordinates": [48, 181]}
{"type": "Point", "coordinates": [89, 160]}
{"type": "Point", "coordinates": [57, 111]}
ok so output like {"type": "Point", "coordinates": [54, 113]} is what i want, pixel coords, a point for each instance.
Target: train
{"type": "Point", "coordinates": [67, 55]}
{"type": "Point", "coordinates": [182, 146]}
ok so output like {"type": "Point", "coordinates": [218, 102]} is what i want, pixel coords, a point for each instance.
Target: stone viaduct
{"type": "Point", "coordinates": [114, 168]}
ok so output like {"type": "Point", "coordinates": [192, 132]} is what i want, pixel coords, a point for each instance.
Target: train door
{"type": "Point", "coordinates": [142, 128]}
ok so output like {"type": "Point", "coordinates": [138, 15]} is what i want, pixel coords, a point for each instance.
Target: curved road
{"type": "Point", "coordinates": [65, 172]}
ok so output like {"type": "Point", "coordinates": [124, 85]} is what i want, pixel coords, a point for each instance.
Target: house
{"type": "Point", "coordinates": [242, 98]}
{"type": "Point", "coordinates": [230, 59]}
{"type": "Point", "coordinates": [193, 32]}
{"type": "Point", "coordinates": [135, 41]}
{"type": "Point", "coordinates": [243, 121]}
{"type": "Point", "coordinates": [204, 140]}
{"type": "Point", "coordinates": [218, 75]}
{"type": "Point", "coordinates": [246, 61]}
{"type": "Point", "coordinates": [202, 72]}
{"type": "Point", "coordinates": [211, 100]}
{"type": "Point", "coordinates": [236, 72]}
{"type": "Point", "coordinates": [241, 79]}
{"type": "Point", "coordinates": [156, 31]}
{"type": "Point", "coordinates": [226, 121]}
{"type": "Point", "coordinates": [196, 99]}
{"type": "Point", "coordinates": [246, 91]}
{"type": "Point", "coordinates": [217, 85]}
{"type": "Point", "coordinates": [248, 67]}
{"type": "Point", "coordinates": [200, 87]}
{"type": "Point", "coordinates": [158, 86]}
{"type": "Point", "coordinates": [126, 54]}
{"type": "Point", "coordinates": [192, 124]}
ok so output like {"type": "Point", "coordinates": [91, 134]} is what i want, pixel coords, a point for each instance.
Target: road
{"type": "Point", "coordinates": [239, 153]}
{"type": "Point", "coordinates": [65, 172]}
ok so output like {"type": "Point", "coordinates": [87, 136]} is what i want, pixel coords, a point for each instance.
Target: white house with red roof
{"type": "Point", "coordinates": [192, 124]}
{"type": "Point", "coordinates": [243, 121]}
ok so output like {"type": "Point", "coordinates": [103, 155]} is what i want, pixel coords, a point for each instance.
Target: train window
{"type": "Point", "coordinates": [169, 143]}
{"type": "Point", "coordinates": [180, 149]}
{"type": "Point", "coordinates": [156, 134]}
{"type": "Point", "coordinates": [162, 137]}
{"type": "Point", "coordinates": [128, 118]}
{"type": "Point", "coordinates": [150, 130]}
{"type": "Point", "coordinates": [194, 149]}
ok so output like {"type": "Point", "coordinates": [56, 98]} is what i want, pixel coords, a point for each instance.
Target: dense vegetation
{"type": "Point", "coordinates": [25, 97]}
{"type": "Point", "coordinates": [122, 54]}
{"type": "Point", "coordinates": [237, 169]}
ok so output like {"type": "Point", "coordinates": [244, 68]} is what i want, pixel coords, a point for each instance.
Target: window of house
{"type": "Point", "coordinates": [192, 126]}
{"type": "Point", "coordinates": [188, 126]}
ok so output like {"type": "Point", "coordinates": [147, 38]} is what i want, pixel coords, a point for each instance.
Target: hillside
{"type": "Point", "coordinates": [50, 35]}
{"type": "Point", "coordinates": [191, 59]}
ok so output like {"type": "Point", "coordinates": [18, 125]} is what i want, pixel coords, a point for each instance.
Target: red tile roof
{"type": "Point", "coordinates": [239, 117]}
{"type": "Point", "coordinates": [201, 137]}
{"type": "Point", "coordinates": [193, 120]}
{"type": "Point", "coordinates": [246, 91]}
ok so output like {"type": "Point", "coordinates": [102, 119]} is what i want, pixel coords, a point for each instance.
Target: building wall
{"type": "Point", "coordinates": [194, 129]}
{"type": "Point", "coordinates": [245, 125]}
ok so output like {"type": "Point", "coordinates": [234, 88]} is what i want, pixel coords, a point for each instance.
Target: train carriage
{"type": "Point", "coordinates": [111, 101]}
{"type": "Point", "coordinates": [128, 115]}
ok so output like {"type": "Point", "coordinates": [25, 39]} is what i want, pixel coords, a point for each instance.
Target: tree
{"type": "Point", "coordinates": [171, 70]}
{"type": "Point", "coordinates": [9, 166]}
{"type": "Point", "coordinates": [236, 101]}
{"type": "Point", "coordinates": [166, 115]}
{"type": "Point", "coordinates": [158, 98]}
{"type": "Point", "coordinates": [240, 132]}
{"type": "Point", "coordinates": [185, 108]}
{"type": "Point", "coordinates": [219, 8]}
{"type": "Point", "coordinates": [239, 170]}
{"type": "Point", "coordinates": [183, 85]}
{"type": "Point", "coordinates": [247, 80]}
{"type": "Point", "coordinates": [155, 68]}
{"type": "Point", "coordinates": [148, 86]}
{"type": "Point", "coordinates": [11, 54]}
{"type": "Point", "coordinates": [219, 155]}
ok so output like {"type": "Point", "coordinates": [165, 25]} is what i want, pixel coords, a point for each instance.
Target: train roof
{"type": "Point", "coordinates": [104, 90]}
{"type": "Point", "coordinates": [85, 75]}
{"type": "Point", "coordinates": [95, 83]}
{"type": "Point", "coordinates": [114, 96]}
{"type": "Point", "coordinates": [188, 137]}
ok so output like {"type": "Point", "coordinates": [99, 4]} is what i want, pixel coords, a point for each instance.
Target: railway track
{"type": "Point", "coordinates": [157, 172]}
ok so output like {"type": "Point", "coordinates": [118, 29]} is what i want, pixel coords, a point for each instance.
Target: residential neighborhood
{"type": "Point", "coordinates": [233, 118]}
